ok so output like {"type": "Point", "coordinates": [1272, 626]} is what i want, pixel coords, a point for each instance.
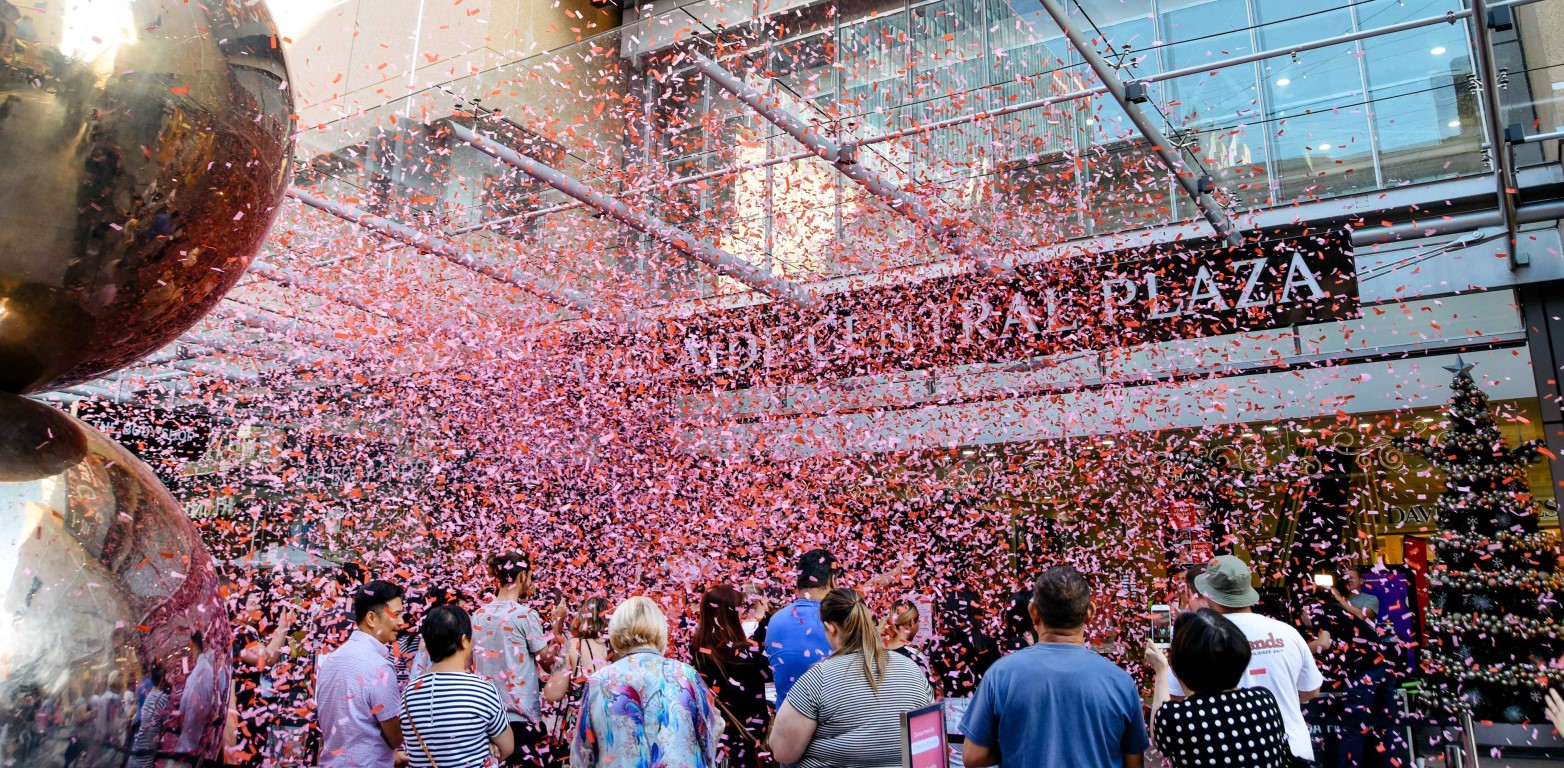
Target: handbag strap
{"type": "Point", "coordinates": [562, 720]}
{"type": "Point", "coordinates": [420, 737]}
{"type": "Point", "coordinates": [737, 723]}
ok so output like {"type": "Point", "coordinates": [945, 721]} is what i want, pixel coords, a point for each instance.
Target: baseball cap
{"type": "Point", "coordinates": [1227, 582]}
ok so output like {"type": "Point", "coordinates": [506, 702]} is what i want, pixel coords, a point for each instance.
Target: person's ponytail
{"type": "Point", "coordinates": [860, 635]}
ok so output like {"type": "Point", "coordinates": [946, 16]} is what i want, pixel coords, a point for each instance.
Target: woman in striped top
{"type": "Point", "coordinates": [452, 718]}
{"type": "Point", "coordinates": [149, 725]}
{"type": "Point", "coordinates": [845, 712]}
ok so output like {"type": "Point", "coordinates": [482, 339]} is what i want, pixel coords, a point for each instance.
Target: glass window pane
{"type": "Point", "coordinates": [1127, 188]}
{"type": "Point", "coordinates": [1321, 139]}
{"type": "Point", "coordinates": [1425, 117]}
{"type": "Point", "coordinates": [1206, 33]}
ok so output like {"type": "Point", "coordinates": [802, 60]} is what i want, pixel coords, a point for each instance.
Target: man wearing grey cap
{"type": "Point", "coordinates": [1279, 658]}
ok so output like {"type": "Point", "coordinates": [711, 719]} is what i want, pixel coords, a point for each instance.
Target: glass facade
{"type": "Point", "coordinates": [627, 113]}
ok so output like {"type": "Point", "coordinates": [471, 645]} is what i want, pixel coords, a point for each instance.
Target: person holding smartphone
{"type": "Point", "coordinates": [1209, 654]}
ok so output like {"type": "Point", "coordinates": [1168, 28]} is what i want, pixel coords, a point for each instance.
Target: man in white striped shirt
{"type": "Point", "coordinates": [355, 690]}
{"type": "Point", "coordinates": [453, 718]}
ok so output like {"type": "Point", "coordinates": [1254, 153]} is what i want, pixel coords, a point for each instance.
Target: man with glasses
{"type": "Point", "coordinates": [356, 694]}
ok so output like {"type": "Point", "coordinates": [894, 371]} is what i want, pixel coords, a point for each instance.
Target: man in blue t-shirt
{"type": "Point", "coordinates": [1056, 703]}
{"type": "Point", "coordinates": [795, 638]}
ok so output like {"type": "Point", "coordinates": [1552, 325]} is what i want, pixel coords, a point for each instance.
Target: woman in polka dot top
{"type": "Point", "coordinates": [1219, 724]}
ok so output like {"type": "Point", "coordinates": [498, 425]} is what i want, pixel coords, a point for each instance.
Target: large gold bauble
{"type": "Point", "coordinates": [144, 146]}
{"type": "Point", "coordinates": [101, 577]}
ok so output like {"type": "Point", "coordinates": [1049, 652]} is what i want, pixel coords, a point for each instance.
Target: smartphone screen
{"type": "Point", "coordinates": [1161, 626]}
{"type": "Point", "coordinates": [1324, 580]}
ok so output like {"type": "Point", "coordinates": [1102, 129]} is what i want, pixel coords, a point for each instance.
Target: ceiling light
{"type": "Point", "coordinates": [1454, 124]}
{"type": "Point", "coordinates": [1270, 427]}
{"type": "Point", "coordinates": [1283, 83]}
{"type": "Point", "coordinates": [1429, 419]}
{"type": "Point", "coordinates": [1438, 50]}
{"type": "Point", "coordinates": [1305, 430]}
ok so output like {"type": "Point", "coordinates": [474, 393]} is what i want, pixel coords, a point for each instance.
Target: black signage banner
{"type": "Point", "coordinates": [165, 440]}
{"type": "Point", "coordinates": [1176, 291]}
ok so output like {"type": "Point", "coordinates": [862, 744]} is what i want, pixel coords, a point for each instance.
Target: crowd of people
{"type": "Point", "coordinates": [820, 682]}
{"type": "Point", "coordinates": [451, 681]}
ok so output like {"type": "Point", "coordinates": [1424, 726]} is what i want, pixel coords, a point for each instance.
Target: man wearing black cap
{"type": "Point", "coordinates": [795, 638]}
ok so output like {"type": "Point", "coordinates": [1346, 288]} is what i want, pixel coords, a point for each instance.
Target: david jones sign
{"type": "Point", "coordinates": [1178, 291]}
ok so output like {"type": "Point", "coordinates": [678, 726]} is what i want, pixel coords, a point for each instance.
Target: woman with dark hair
{"type": "Point", "coordinates": [1219, 724]}
{"type": "Point", "coordinates": [150, 721]}
{"type": "Point", "coordinates": [846, 710]}
{"type": "Point", "coordinates": [734, 667]}
{"type": "Point", "coordinates": [585, 654]}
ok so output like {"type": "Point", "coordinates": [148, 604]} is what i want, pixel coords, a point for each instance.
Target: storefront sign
{"type": "Point", "coordinates": [1423, 518]}
{"type": "Point", "coordinates": [165, 440]}
{"type": "Point", "coordinates": [1176, 291]}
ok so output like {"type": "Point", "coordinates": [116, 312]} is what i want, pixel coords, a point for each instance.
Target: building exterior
{"type": "Point", "coordinates": [1382, 135]}
{"type": "Point", "coordinates": [941, 138]}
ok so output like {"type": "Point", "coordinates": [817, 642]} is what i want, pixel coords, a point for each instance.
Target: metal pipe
{"type": "Point", "coordinates": [1498, 149]}
{"type": "Point", "coordinates": [282, 330]}
{"type": "Point", "coordinates": [221, 344]}
{"type": "Point", "coordinates": [846, 162]}
{"type": "Point", "coordinates": [723, 262]}
{"type": "Point", "coordinates": [728, 171]}
{"type": "Point", "coordinates": [1461, 222]}
{"type": "Point", "coordinates": [1539, 138]}
{"type": "Point", "coordinates": [294, 280]}
{"type": "Point", "coordinates": [556, 295]}
{"type": "Point", "coordinates": [1173, 159]}
{"type": "Point", "coordinates": [217, 370]}
{"type": "Point", "coordinates": [170, 354]}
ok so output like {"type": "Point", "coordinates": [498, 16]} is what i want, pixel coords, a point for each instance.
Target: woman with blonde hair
{"type": "Point", "coordinates": [644, 709]}
{"type": "Point", "coordinates": [845, 712]}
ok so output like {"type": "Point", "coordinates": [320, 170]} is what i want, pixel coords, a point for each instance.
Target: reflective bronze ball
{"type": "Point", "coordinates": [102, 579]}
{"type": "Point", "coordinates": [144, 146]}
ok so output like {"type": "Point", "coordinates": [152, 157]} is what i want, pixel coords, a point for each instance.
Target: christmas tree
{"type": "Point", "coordinates": [1494, 631]}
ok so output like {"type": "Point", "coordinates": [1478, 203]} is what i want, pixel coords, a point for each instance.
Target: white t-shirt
{"type": "Point", "coordinates": [1280, 661]}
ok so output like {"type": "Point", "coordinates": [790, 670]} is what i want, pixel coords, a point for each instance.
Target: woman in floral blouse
{"type": "Point", "coordinates": [644, 710]}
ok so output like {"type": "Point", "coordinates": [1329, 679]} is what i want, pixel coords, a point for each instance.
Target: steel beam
{"type": "Point", "coordinates": [537, 286]}
{"type": "Point", "coordinates": [299, 282]}
{"type": "Point", "coordinates": [1493, 125]}
{"type": "Point", "coordinates": [1460, 222]}
{"type": "Point", "coordinates": [1172, 158]}
{"type": "Point", "coordinates": [846, 162]}
{"type": "Point", "coordinates": [723, 262]}
{"type": "Point", "coordinates": [277, 327]}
